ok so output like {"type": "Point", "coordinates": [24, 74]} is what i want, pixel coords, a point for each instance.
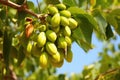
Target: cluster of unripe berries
{"type": "Point", "coordinates": [53, 42]}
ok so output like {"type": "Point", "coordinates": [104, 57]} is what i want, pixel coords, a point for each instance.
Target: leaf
{"type": "Point", "coordinates": [76, 10]}
{"type": "Point", "coordinates": [109, 32]}
{"type": "Point", "coordinates": [21, 55]}
{"type": "Point", "coordinates": [102, 24]}
{"type": "Point", "coordinates": [30, 5]}
{"type": "Point", "coordinates": [69, 3]}
{"type": "Point", "coordinates": [83, 33]}
{"type": "Point", "coordinates": [7, 41]}
{"type": "Point", "coordinates": [114, 19]}
{"type": "Point", "coordinates": [51, 2]}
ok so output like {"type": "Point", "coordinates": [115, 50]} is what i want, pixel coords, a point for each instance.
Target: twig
{"type": "Point", "coordinates": [112, 71]}
{"type": "Point", "coordinates": [38, 6]}
{"type": "Point", "coordinates": [21, 8]}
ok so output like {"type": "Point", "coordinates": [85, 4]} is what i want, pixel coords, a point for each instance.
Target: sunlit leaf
{"type": "Point", "coordinates": [69, 3]}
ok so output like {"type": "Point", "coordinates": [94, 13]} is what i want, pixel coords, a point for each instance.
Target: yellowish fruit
{"type": "Point", "coordinates": [61, 6]}
{"type": "Point", "coordinates": [41, 39]}
{"type": "Point", "coordinates": [55, 21]}
{"type": "Point", "coordinates": [69, 56]}
{"type": "Point", "coordinates": [43, 59]}
{"type": "Point", "coordinates": [65, 13]}
{"type": "Point", "coordinates": [67, 31]}
{"type": "Point", "coordinates": [64, 21]}
{"type": "Point", "coordinates": [51, 48]}
{"type": "Point", "coordinates": [68, 40]}
{"type": "Point", "coordinates": [58, 64]}
{"type": "Point", "coordinates": [29, 47]}
{"type": "Point", "coordinates": [73, 23]}
{"type": "Point", "coordinates": [52, 9]}
{"type": "Point", "coordinates": [51, 35]}
{"type": "Point", "coordinates": [62, 43]}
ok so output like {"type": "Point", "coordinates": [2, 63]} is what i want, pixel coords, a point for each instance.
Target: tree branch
{"type": "Point", "coordinates": [22, 8]}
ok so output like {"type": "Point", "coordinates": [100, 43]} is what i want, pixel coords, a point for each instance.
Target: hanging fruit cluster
{"type": "Point", "coordinates": [53, 39]}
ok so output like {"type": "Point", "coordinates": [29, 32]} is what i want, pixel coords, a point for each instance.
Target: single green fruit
{"type": "Point", "coordinates": [29, 47]}
{"type": "Point", "coordinates": [56, 57]}
{"type": "Point", "coordinates": [52, 9]}
{"type": "Point", "coordinates": [73, 23]}
{"type": "Point", "coordinates": [62, 43]}
{"type": "Point", "coordinates": [65, 13]}
{"type": "Point", "coordinates": [36, 51]}
{"type": "Point", "coordinates": [64, 21]}
{"type": "Point", "coordinates": [55, 21]}
{"type": "Point", "coordinates": [42, 28]}
{"type": "Point", "coordinates": [69, 56]}
{"type": "Point", "coordinates": [43, 59]}
{"type": "Point", "coordinates": [68, 40]}
{"type": "Point", "coordinates": [61, 6]}
{"type": "Point", "coordinates": [51, 48]}
{"type": "Point", "coordinates": [51, 35]}
{"type": "Point", "coordinates": [41, 39]}
{"type": "Point", "coordinates": [67, 31]}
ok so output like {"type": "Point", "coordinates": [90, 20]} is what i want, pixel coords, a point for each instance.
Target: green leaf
{"type": "Point", "coordinates": [83, 33]}
{"type": "Point", "coordinates": [109, 32]}
{"type": "Point", "coordinates": [69, 3]}
{"type": "Point", "coordinates": [21, 55]}
{"type": "Point", "coordinates": [30, 5]}
{"type": "Point", "coordinates": [102, 24]}
{"type": "Point", "coordinates": [7, 41]}
{"type": "Point", "coordinates": [114, 19]}
{"type": "Point", "coordinates": [76, 10]}
{"type": "Point", "coordinates": [51, 2]}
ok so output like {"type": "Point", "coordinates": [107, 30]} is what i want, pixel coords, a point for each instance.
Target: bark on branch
{"type": "Point", "coordinates": [21, 8]}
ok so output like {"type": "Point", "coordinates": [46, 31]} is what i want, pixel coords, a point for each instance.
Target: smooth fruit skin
{"type": "Point", "coordinates": [62, 43]}
{"type": "Point", "coordinates": [41, 39]}
{"type": "Point", "coordinates": [68, 40]}
{"type": "Point", "coordinates": [69, 56]}
{"type": "Point", "coordinates": [65, 13]}
{"type": "Point", "coordinates": [73, 23]}
{"type": "Point", "coordinates": [61, 6]}
{"type": "Point", "coordinates": [29, 47]}
{"type": "Point", "coordinates": [67, 31]}
{"type": "Point", "coordinates": [51, 35]}
{"type": "Point", "coordinates": [64, 21]}
{"type": "Point", "coordinates": [55, 21]}
{"type": "Point", "coordinates": [36, 51]}
{"type": "Point", "coordinates": [51, 48]}
{"type": "Point", "coordinates": [43, 59]}
{"type": "Point", "coordinates": [52, 9]}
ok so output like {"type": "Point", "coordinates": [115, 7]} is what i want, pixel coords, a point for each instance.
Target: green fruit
{"type": "Point", "coordinates": [58, 64]}
{"type": "Point", "coordinates": [29, 47]}
{"type": "Point", "coordinates": [55, 21]}
{"type": "Point", "coordinates": [68, 40]}
{"type": "Point", "coordinates": [69, 56]}
{"type": "Point", "coordinates": [51, 35]}
{"type": "Point", "coordinates": [67, 31]}
{"type": "Point", "coordinates": [61, 6]}
{"type": "Point", "coordinates": [56, 57]}
{"type": "Point", "coordinates": [43, 59]}
{"type": "Point", "coordinates": [52, 9]}
{"type": "Point", "coordinates": [65, 13]}
{"type": "Point", "coordinates": [41, 39]}
{"type": "Point", "coordinates": [51, 48]}
{"type": "Point", "coordinates": [61, 51]}
{"type": "Point", "coordinates": [62, 43]}
{"type": "Point", "coordinates": [64, 21]}
{"type": "Point", "coordinates": [42, 28]}
{"type": "Point", "coordinates": [36, 51]}
{"type": "Point", "coordinates": [73, 23]}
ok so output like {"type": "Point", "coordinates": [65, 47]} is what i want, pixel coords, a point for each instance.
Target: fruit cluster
{"type": "Point", "coordinates": [53, 42]}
